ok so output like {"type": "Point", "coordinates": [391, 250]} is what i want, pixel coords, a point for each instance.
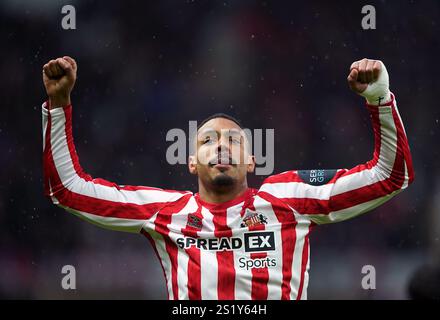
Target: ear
{"type": "Point", "coordinates": [251, 164]}
{"type": "Point", "coordinates": [192, 165]}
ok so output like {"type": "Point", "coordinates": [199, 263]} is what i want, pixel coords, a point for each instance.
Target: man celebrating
{"type": "Point", "coordinates": [229, 241]}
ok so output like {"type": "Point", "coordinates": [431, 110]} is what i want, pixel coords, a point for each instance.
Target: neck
{"type": "Point", "coordinates": [219, 195]}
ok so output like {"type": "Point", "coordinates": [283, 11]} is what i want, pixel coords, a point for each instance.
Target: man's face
{"type": "Point", "coordinates": [222, 157]}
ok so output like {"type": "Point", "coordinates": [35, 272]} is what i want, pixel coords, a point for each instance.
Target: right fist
{"type": "Point", "coordinates": [59, 77]}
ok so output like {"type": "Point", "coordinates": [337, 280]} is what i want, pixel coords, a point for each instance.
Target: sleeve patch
{"type": "Point", "coordinates": [317, 177]}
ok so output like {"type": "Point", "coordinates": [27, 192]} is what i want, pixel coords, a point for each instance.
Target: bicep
{"type": "Point", "coordinates": [106, 204]}
{"type": "Point", "coordinates": [329, 196]}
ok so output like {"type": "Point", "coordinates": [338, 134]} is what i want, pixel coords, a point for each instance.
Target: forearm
{"type": "Point", "coordinates": [366, 186]}
{"type": "Point", "coordinates": [392, 157]}
{"type": "Point", "coordinates": [59, 171]}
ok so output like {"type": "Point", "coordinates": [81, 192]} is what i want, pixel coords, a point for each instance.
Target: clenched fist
{"type": "Point", "coordinates": [369, 78]}
{"type": "Point", "coordinates": [59, 77]}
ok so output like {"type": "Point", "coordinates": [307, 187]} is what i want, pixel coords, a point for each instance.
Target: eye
{"type": "Point", "coordinates": [207, 140]}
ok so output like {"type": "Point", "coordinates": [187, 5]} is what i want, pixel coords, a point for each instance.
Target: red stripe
{"type": "Point", "coordinates": [69, 137]}
{"type": "Point", "coordinates": [194, 274]}
{"type": "Point", "coordinates": [260, 276]}
{"type": "Point", "coordinates": [374, 114]}
{"type": "Point", "coordinates": [289, 176]}
{"type": "Point", "coordinates": [225, 259]}
{"type": "Point", "coordinates": [171, 249]}
{"type": "Point", "coordinates": [161, 222]}
{"type": "Point", "coordinates": [52, 174]}
{"type": "Point", "coordinates": [46, 156]}
{"type": "Point", "coordinates": [288, 235]}
{"type": "Point", "coordinates": [304, 260]}
{"type": "Point", "coordinates": [106, 208]}
{"type": "Point", "coordinates": [153, 243]}
{"type": "Point", "coordinates": [406, 149]}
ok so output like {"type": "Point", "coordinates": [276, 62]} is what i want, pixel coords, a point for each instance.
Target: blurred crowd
{"type": "Point", "coordinates": [146, 67]}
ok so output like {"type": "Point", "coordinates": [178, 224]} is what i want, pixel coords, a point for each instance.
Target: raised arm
{"type": "Point", "coordinates": [122, 208]}
{"type": "Point", "coordinates": [327, 196]}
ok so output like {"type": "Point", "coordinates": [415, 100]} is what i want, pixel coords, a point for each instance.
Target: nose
{"type": "Point", "coordinates": [223, 144]}
{"type": "Point", "coordinates": [223, 148]}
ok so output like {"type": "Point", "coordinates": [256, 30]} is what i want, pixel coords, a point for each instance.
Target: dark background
{"type": "Point", "coordinates": [146, 67]}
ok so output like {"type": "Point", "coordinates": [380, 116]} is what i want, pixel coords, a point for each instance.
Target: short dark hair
{"type": "Point", "coordinates": [220, 115]}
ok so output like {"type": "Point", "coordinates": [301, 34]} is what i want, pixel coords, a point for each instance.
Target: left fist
{"type": "Point", "coordinates": [369, 78]}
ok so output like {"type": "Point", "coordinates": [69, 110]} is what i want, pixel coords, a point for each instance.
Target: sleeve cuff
{"type": "Point", "coordinates": [387, 104]}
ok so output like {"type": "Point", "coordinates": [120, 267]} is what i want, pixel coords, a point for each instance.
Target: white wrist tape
{"type": "Point", "coordinates": [378, 92]}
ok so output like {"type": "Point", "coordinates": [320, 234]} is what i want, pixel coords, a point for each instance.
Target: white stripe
{"type": "Point", "coordinates": [233, 218]}
{"type": "Point", "coordinates": [208, 260]}
{"type": "Point", "coordinates": [118, 224]}
{"type": "Point", "coordinates": [163, 255]}
{"type": "Point", "coordinates": [388, 141]}
{"type": "Point", "coordinates": [209, 274]}
{"type": "Point", "coordinates": [347, 213]}
{"type": "Point", "coordinates": [275, 281]}
{"type": "Point", "coordinates": [302, 229]}
{"type": "Point", "coordinates": [182, 273]}
{"type": "Point", "coordinates": [243, 278]}
{"type": "Point", "coordinates": [400, 119]}
{"type": "Point", "coordinates": [306, 278]}
{"type": "Point", "coordinates": [405, 182]}
{"type": "Point", "coordinates": [178, 221]}
{"type": "Point", "coordinates": [45, 120]}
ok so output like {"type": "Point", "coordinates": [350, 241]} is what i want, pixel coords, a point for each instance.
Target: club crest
{"type": "Point", "coordinates": [194, 221]}
{"type": "Point", "coordinates": [253, 218]}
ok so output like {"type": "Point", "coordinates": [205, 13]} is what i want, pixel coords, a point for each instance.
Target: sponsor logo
{"type": "Point", "coordinates": [251, 242]}
{"type": "Point", "coordinates": [258, 263]}
{"type": "Point", "coordinates": [212, 244]}
{"type": "Point", "coordinates": [316, 177]}
{"type": "Point", "coordinates": [259, 241]}
{"type": "Point", "coordinates": [253, 218]}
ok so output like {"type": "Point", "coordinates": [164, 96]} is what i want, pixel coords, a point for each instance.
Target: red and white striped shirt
{"type": "Point", "coordinates": [253, 247]}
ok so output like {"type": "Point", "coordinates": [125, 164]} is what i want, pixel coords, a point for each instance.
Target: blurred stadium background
{"type": "Point", "coordinates": [146, 67]}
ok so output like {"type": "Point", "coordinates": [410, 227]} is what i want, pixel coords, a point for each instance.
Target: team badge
{"type": "Point", "coordinates": [253, 218]}
{"type": "Point", "coordinates": [194, 221]}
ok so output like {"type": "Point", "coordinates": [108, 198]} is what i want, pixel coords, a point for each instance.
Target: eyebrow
{"type": "Point", "coordinates": [206, 131]}
{"type": "Point", "coordinates": [210, 131]}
